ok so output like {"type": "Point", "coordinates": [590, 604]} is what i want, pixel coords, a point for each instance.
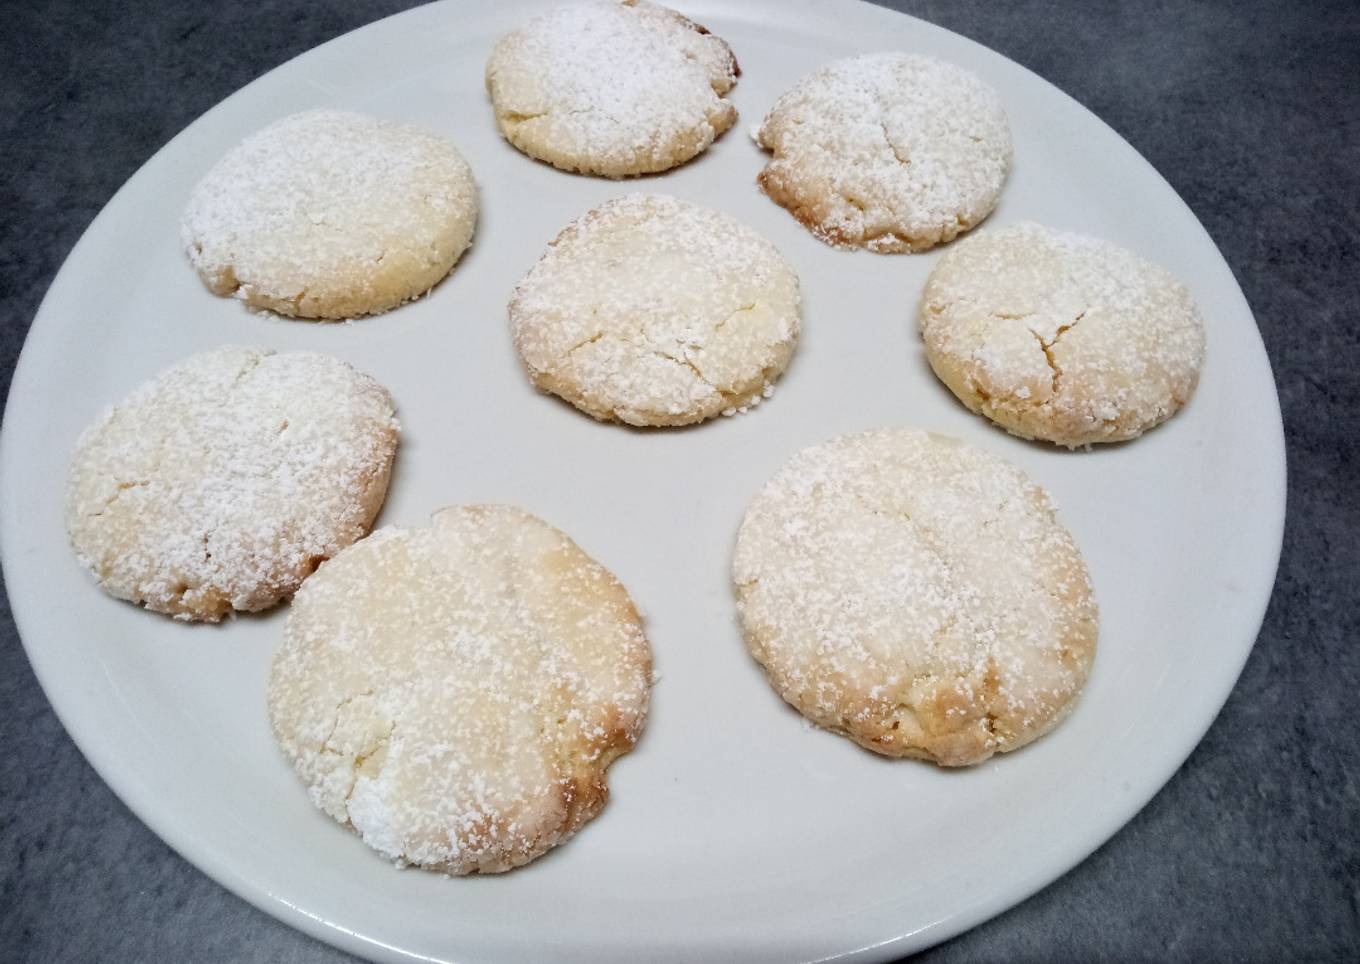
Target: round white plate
{"type": "Point", "coordinates": [734, 829]}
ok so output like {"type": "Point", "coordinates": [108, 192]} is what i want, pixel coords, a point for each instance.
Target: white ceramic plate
{"type": "Point", "coordinates": [733, 828]}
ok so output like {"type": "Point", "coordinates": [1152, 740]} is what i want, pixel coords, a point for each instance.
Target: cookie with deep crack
{"type": "Point", "coordinates": [1061, 337]}
{"type": "Point", "coordinates": [221, 484]}
{"type": "Point", "coordinates": [331, 214]}
{"type": "Point", "coordinates": [612, 88]}
{"type": "Point", "coordinates": [890, 152]}
{"type": "Point", "coordinates": [916, 595]}
{"type": "Point", "coordinates": [653, 311]}
{"type": "Point", "coordinates": [455, 694]}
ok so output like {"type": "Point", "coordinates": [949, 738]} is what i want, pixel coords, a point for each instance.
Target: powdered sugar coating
{"type": "Point", "coordinates": [455, 694]}
{"type": "Point", "coordinates": [331, 214]}
{"type": "Point", "coordinates": [915, 594]}
{"type": "Point", "coordinates": [887, 151]}
{"type": "Point", "coordinates": [612, 88]}
{"type": "Point", "coordinates": [1061, 337]}
{"type": "Point", "coordinates": [654, 311]}
{"type": "Point", "coordinates": [221, 483]}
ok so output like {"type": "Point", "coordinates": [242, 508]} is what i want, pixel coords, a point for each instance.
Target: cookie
{"type": "Point", "coordinates": [330, 214]}
{"type": "Point", "coordinates": [890, 152]}
{"type": "Point", "coordinates": [221, 484]}
{"type": "Point", "coordinates": [612, 88]}
{"type": "Point", "coordinates": [654, 311]}
{"type": "Point", "coordinates": [455, 694]}
{"type": "Point", "coordinates": [916, 595]}
{"type": "Point", "coordinates": [1061, 337]}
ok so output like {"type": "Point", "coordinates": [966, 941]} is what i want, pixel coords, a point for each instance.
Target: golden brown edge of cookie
{"type": "Point", "coordinates": [697, 27]}
{"type": "Point", "coordinates": [948, 741]}
{"type": "Point", "coordinates": [584, 792]}
{"type": "Point", "coordinates": [581, 798]}
{"type": "Point", "coordinates": [773, 185]}
{"type": "Point", "coordinates": [881, 732]}
{"type": "Point", "coordinates": [549, 383]}
{"type": "Point", "coordinates": [333, 302]}
{"type": "Point", "coordinates": [1025, 420]}
{"type": "Point", "coordinates": [212, 605]}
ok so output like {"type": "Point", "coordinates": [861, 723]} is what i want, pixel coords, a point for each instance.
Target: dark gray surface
{"type": "Point", "coordinates": [1251, 110]}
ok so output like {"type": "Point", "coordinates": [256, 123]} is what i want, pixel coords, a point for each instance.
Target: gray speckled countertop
{"type": "Point", "coordinates": [1250, 109]}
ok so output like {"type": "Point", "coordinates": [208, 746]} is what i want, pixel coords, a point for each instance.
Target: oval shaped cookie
{"type": "Point", "coordinates": [890, 152]}
{"type": "Point", "coordinates": [652, 311]}
{"type": "Point", "coordinates": [455, 694]}
{"type": "Point", "coordinates": [331, 214]}
{"type": "Point", "coordinates": [224, 481]}
{"type": "Point", "coordinates": [1061, 337]}
{"type": "Point", "coordinates": [612, 88]}
{"type": "Point", "coordinates": [916, 595]}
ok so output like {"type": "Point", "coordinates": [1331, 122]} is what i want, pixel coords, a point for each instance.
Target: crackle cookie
{"type": "Point", "coordinates": [329, 214]}
{"type": "Point", "coordinates": [223, 482]}
{"type": "Point", "coordinates": [455, 694]}
{"type": "Point", "coordinates": [916, 595]}
{"type": "Point", "coordinates": [890, 152]}
{"type": "Point", "coordinates": [654, 311]}
{"type": "Point", "coordinates": [1061, 337]}
{"type": "Point", "coordinates": [612, 88]}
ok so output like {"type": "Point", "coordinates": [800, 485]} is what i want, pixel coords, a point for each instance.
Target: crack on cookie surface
{"type": "Point", "coordinates": [896, 153]}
